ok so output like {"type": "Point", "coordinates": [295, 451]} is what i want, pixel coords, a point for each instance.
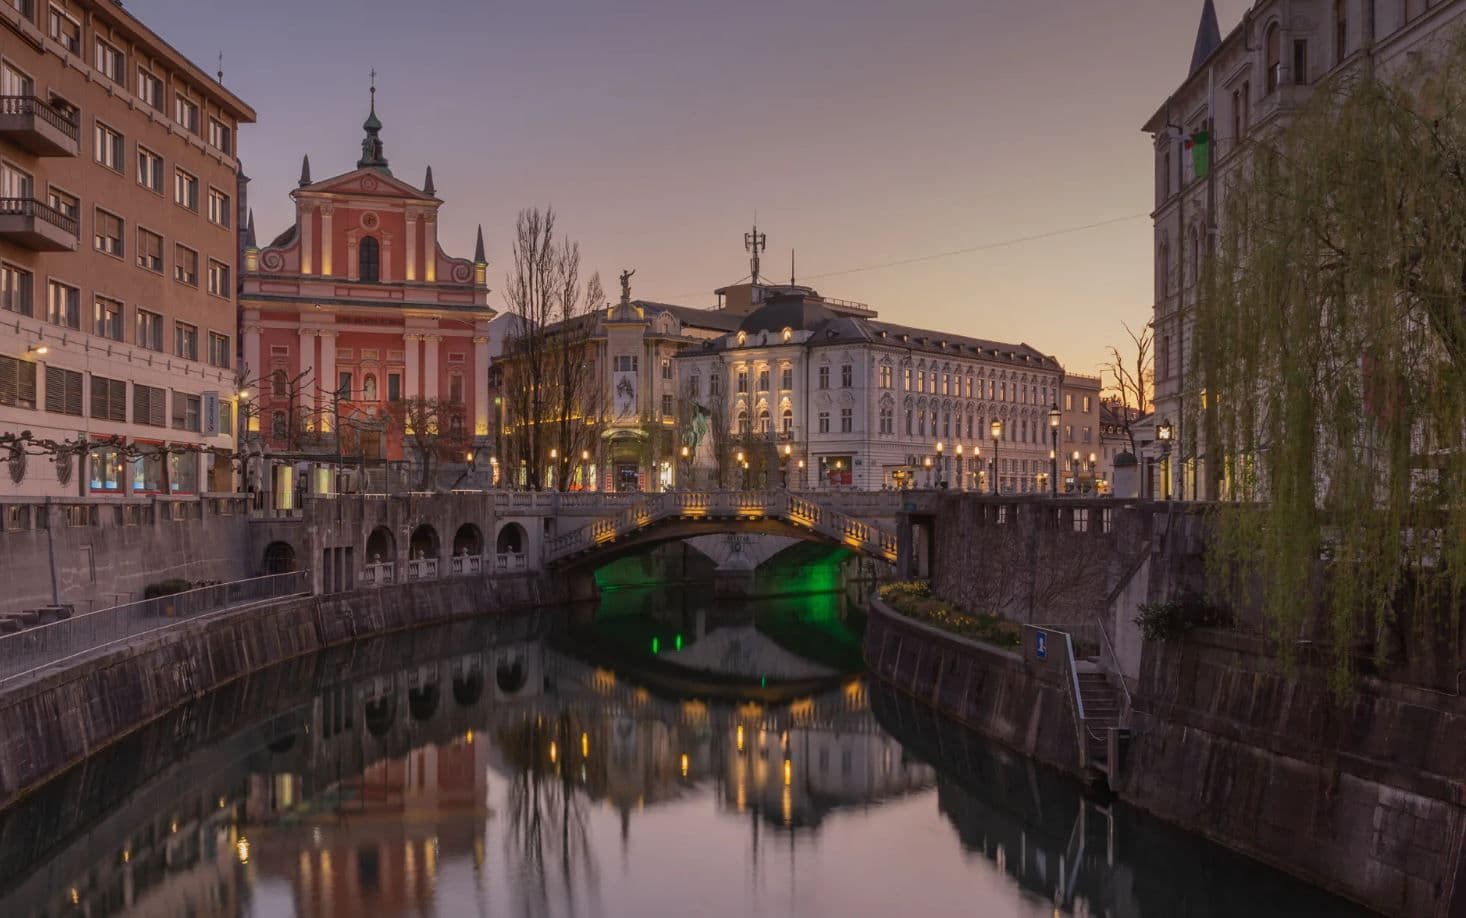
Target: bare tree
{"type": "Point", "coordinates": [1131, 378]}
{"type": "Point", "coordinates": [432, 429]}
{"type": "Point", "coordinates": [551, 389]}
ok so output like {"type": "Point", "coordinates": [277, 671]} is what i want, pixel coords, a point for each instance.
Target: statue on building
{"type": "Point", "coordinates": [626, 285]}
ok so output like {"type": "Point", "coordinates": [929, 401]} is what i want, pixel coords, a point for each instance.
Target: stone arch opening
{"type": "Point", "coordinates": [468, 540]}
{"type": "Point", "coordinates": [422, 702]}
{"type": "Point", "coordinates": [381, 546]}
{"type": "Point", "coordinates": [379, 714]}
{"type": "Point", "coordinates": [512, 539]}
{"type": "Point", "coordinates": [511, 675]}
{"type": "Point", "coordinates": [468, 688]}
{"type": "Point", "coordinates": [279, 558]}
{"type": "Point", "coordinates": [424, 543]}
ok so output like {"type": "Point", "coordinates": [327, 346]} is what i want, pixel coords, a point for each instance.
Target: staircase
{"type": "Point", "coordinates": [1101, 705]}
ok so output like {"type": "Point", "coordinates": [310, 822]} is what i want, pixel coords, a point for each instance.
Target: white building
{"type": "Point", "coordinates": [1240, 87]}
{"type": "Point", "coordinates": [819, 395]}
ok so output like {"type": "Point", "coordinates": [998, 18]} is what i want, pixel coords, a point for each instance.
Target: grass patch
{"type": "Point", "coordinates": [914, 599]}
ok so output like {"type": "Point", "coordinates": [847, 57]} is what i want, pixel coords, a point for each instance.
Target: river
{"type": "Point", "coordinates": [665, 754]}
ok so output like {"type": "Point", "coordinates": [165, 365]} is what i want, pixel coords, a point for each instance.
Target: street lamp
{"type": "Point", "coordinates": [1054, 417]}
{"type": "Point", "coordinates": [1074, 469]}
{"type": "Point", "coordinates": [1164, 432]}
{"type": "Point", "coordinates": [941, 466]}
{"type": "Point", "coordinates": [686, 455]}
{"type": "Point", "coordinates": [961, 475]}
{"type": "Point", "coordinates": [926, 463]}
{"type": "Point", "coordinates": [997, 432]}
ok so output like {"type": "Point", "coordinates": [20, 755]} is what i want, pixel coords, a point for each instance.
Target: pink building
{"type": "Point", "coordinates": [355, 311]}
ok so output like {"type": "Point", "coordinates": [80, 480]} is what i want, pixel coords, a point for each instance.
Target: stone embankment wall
{"type": "Point", "coordinates": [1366, 798]}
{"type": "Point", "coordinates": [996, 692]}
{"type": "Point", "coordinates": [58, 717]}
{"type": "Point", "coordinates": [103, 552]}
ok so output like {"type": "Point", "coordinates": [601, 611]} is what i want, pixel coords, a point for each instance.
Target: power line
{"type": "Point", "coordinates": [984, 247]}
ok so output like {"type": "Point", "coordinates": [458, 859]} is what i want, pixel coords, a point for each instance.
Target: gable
{"type": "Point", "coordinates": [368, 182]}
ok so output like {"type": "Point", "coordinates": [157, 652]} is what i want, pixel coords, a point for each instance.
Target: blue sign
{"type": "Point", "coordinates": [1041, 645]}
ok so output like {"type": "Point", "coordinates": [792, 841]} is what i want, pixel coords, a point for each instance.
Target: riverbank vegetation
{"type": "Point", "coordinates": [914, 599]}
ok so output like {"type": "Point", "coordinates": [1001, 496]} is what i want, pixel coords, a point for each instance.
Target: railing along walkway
{"type": "Point", "coordinates": [28, 650]}
{"type": "Point", "coordinates": [796, 509]}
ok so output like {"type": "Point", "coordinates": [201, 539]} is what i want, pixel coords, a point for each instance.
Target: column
{"type": "Point", "coordinates": [328, 379]}
{"type": "Point", "coordinates": [386, 257]}
{"type": "Point", "coordinates": [430, 248]}
{"type": "Point", "coordinates": [327, 240]}
{"type": "Point", "coordinates": [414, 375]}
{"type": "Point", "coordinates": [308, 371]}
{"type": "Point", "coordinates": [307, 238]}
{"type": "Point", "coordinates": [411, 246]}
{"type": "Point", "coordinates": [252, 371]}
{"type": "Point", "coordinates": [432, 344]}
{"type": "Point", "coordinates": [480, 395]}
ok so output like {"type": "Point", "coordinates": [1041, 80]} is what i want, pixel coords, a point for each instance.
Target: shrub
{"type": "Point", "coordinates": [914, 599]}
{"type": "Point", "coordinates": [165, 588]}
{"type": "Point", "coordinates": [1172, 618]}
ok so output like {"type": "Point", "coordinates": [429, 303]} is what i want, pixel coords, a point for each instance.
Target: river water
{"type": "Point", "coordinates": [666, 754]}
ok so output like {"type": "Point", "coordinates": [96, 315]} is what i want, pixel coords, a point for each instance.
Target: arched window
{"type": "Point", "coordinates": [277, 425]}
{"type": "Point", "coordinates": [370, 260]}
{"type": "Point", "coordinates": [786, 421]}
{"type": "Point", "coordinates": [742, 421]}
{"type": "Point", "coordinates": [763, 420]}
{"type": "Point", "coordinates": [369, 389]}
{"type": "Point", "coordinates": [1274, 58]}
{"type": "Point", "coordinates": [279, 384]}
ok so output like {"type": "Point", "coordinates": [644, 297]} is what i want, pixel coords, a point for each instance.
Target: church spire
{"type": "Point", "coordinates": [427, 183]}
{"type": "Point", "coordinates": [305, 170]}
{"type": "Point", "coordinates": [1208, 37]}
{"type": "Point", "coordinates": [249, 233]}
{"type": "Point", "coordinates": [371, 145]}
{"type": "Point", "coordinates": [478, 248]}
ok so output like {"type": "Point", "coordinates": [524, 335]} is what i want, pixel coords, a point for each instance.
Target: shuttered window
{"type": "Point", "coordinates": [185, 412]}
{"type": "Point", "coordinates": [63, 391]}
{"type": "Point", "coordinates": [109, 399]}
{"type": "Point", "coordinates": [17, 383]}
{"type": "Point", "coordinates": [149, 405]}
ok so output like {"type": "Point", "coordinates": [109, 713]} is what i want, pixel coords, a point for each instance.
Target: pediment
{"type": "Point", "coordinates": [372, 182]}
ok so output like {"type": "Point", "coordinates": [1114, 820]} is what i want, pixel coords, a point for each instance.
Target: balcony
{"type": "Point", "coordinates": [29, 122]}
{"type": "Point", "coordinates": [32, 224]}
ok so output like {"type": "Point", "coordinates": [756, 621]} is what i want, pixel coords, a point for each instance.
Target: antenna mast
{"type": "Point", "coordinates": [754, 243]}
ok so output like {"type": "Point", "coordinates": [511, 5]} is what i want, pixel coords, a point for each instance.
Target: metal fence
{"type": "Point", "coordinates": [32, 648]}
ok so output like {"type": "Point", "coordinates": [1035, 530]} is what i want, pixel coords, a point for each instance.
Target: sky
{"type": "Point", "coordinates": [859, 132]}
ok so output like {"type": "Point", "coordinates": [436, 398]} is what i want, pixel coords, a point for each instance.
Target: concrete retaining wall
{"type": "Point", "coordinates": [1366, 798]}
{"type": "Point", "coordinates": [998, 693]}
{"type": "Point", "coordinates": [59, 717]}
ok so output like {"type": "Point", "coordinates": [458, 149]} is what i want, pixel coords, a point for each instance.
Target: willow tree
{"type": "Point", "coordinates": [1329, 379]}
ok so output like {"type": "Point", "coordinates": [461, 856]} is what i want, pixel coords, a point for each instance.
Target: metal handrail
{"type": "Point", "coordinates": [31, 207]}
{"type": "Point", "coordinates": [29, 649]}
{"type": "Point", "coordinates": [34, 105]}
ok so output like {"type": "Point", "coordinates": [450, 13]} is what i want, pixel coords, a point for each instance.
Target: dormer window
{"type": "Point", "coordinates": [742, 338]}
{"type": "Point", "coordinates": [788, 335]}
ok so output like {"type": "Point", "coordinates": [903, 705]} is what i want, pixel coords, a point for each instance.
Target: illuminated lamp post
{"type": "Point", "coordinates": [961, 475]}
{"type": "Point", "coordinates": [941, 466]}
{"type": "Point", "coordinates": [1164, 432]}
{"type": "Point", "coordinates": [997, 432]}
{"type": "Point", "coordinates": [1054, 418]}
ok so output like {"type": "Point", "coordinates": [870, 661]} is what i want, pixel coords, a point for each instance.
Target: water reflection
{"type": "Point", "coordinates": [477, 770]}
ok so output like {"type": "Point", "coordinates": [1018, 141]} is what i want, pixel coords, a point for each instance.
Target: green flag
{"type": "Point", "coordinates": [1200, 146]}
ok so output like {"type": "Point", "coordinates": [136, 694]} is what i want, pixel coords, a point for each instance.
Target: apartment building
{"type": "Point", "coordinates": [119, 209]}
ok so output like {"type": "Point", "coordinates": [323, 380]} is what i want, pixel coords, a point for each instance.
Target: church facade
{"type": "Point", "coordinates": [356, 325]}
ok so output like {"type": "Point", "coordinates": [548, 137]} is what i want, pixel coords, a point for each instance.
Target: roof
{"type": "Point", "coordinates": [1208, 37]}
{"type": "Point", "coordinates": [798, 313]}
{"type": "Point", "coordinates": [714, 319]}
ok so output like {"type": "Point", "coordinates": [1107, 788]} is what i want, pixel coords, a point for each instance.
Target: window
{"type": "Point", "coordinates": [186, 190]}
{"type": "Point", "coordinates": [108, 233]}
{"type": "Point", "coordinates": [221, 137]}
{"type": "Point", "coordinates": [279, 385]}
{"type": "Point", "coordinates": [743, 427]}
{"type": "Point", "coordinates": [218, 278]}
{"type": "Point", "coordinates": [394, 387]}
{"type": "Point", "coordinates": [219, 353]}
{"type": "Point", "coordinates": [1068, 433]}
{"type": "Point", "coordinates": [186, 113]}
{"type": "Point", "coordinates": [1068, 401]}
{"type": "Point", "coordinates": [847, 420]}
{"type": "Point", "coordinates": [369, 260]}
{"type": "Point", "coordinates": [455, 388]}
{"type": "Point", "coordinates": [824, 377]}
{"type": "Point", "coordinates": [666, 368]}
{"type": "Point", "coordinates": [186, 340]}
{"type": "Point", "coordinates": [1087, 404]}
{"type": "Point", "coordinates": [226, 418]}
{"type": "Point", "coordinates": [149, 330]}
{"type": "Point", "coordinates": [824, 422]}
{"type": "Point", "coordinates": [763, 380]}
{"type": "Point", "coordinates": [149, 88]}
{"type": "Point", "coordinates": [278, 425]}
{"type": "Point", "coordinates": [109, 399]}
{"type": "Point", "coordinates": [109, 61]}
{"type": "Point", "coordinates": [14, 183]}
{"type": "Point", "coordinates": [763, 420]}
{"type": "Point", "coordinates": [886, 378]}
{"type": "Point", "coordinates": [626, 363]}
{"type": "Point", "coordinates": [17, 383]}
{"type": "Point", "coordinates": [63, 202]}
{"type": "Point", "coordinates": [63, 391]}
{"type": "Point", "coordinates": [219, 207]}
{"type": "Point", "coordinates": [64, 30]}
{"type": "Point", "coordinates": [107, 318]}
{"type": "Point", "coordinates": [1163, 357]}
{"type": "Point", "coordinates": [185, 412]}
{"type": "Point", "coordinates": [1341, 30]}
{"type": "Point", "coordinates": [149, 250]}
{"type": "Point", "coordinates": [888, 419]}
{"type": "Point", "coordinates": [185, 265]}
{"type": "Point", "coordinates": [742, 380]}
{"type": "Point", "coordinates": [149, 169]}
{"type": "Point", "coordinates": [107, 146]}
{"type": "Point", "coordinates": [1300, 61]}
{"type": "Point", "coordinates": [906, 378]}
{"type": "Point", "coordinates": [343, 384]}
{"type": "Point", "coordinates": [63, 305]}
{"type": "Point", "coordinates": [667, 410]}
{"type": "Point", "coordinates": [1274, 58]}
{"type": "Point", "coordinates": [847, 376]}
{"type": "Point", "coordinates": [715, 384]}
{"type": "Point", "coordinates": [16, 290]}
{"type": "Point", "coordinates": [694, 386]}
{"type": "Point", "coordinates": [786, 421]}
{"type": "Point", "coordinates": [921, 381]}
{"type": "Point", "coordinates": [1086, 434]}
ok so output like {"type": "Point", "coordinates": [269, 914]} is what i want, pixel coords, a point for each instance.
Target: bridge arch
{"type": "Point", "coordinates": [279, 558]}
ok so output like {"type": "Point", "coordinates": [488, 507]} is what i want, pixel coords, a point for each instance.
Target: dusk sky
{"type": "Point", "coordinates": [863, 132]}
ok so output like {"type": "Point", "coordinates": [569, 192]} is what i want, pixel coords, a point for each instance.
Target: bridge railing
{"type": "Point", "coordinates": [32, 648]}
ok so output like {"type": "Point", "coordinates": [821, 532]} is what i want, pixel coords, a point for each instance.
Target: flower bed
{"type": "Point", "coordinates": [914, 599]}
